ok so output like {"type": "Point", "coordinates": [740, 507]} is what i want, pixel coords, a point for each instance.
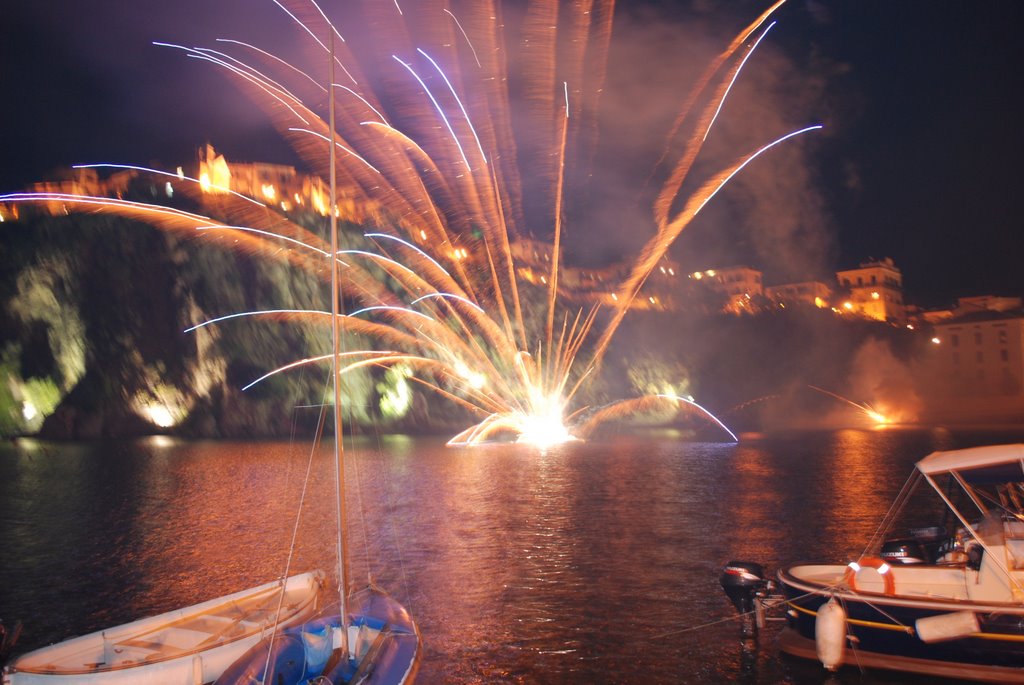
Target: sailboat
{"type": "Point", "coordinates": [371, 638]}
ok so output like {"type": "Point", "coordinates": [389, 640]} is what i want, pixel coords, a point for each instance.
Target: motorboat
{"type": "Point", "coordinates": [943, 600]}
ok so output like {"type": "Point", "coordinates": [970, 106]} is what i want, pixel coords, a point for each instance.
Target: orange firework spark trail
{"type": "Point", "coordinates": [749, 403]}
{"type": "Point", "coordinates": [556, 250]}
{"type": "Point", "coordinates": [709, 74]}
{"type": "Point", "coordinates": [865, 408]}
{"type": "Point", "coordinates": [427, 154]}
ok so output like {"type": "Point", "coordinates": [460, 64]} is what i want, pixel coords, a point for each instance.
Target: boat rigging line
{"type": "Point", "coordinates": [295, 528]}
{"type": "Point", "coordinates": [913, 480]}
{"type": "Point", "coordinates": [739, 616]}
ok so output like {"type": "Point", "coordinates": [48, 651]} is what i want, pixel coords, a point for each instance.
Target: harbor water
{"type": "Point", "coordinates": [586, 563]}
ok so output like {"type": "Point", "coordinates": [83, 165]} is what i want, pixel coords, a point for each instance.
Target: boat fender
{"type": "Point", "coordinates": [830, 634]}
{"type": "Point", "coordinates": [947, 626]}
{"type": "Point", "coordinates": [880, 565]}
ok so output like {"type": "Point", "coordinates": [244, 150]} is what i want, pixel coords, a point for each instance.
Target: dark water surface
{"type": "Point", "coordinates": [588, 563]}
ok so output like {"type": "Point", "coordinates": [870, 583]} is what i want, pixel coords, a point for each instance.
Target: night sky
{"type": "Point", "coordinates": [918, 159]}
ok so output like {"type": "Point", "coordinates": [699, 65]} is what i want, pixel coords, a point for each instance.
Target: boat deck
{"type": "Point", "coordinates": [915, 581]}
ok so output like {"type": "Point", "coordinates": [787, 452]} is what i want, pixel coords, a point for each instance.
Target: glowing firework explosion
{"type": "Point", "coordinates": [426, 153]}
{"type": "Point", "coordinates": [871, 413]}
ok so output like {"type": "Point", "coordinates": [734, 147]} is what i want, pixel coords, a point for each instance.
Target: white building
{"type": "Point", "coordinates": [875, 290]}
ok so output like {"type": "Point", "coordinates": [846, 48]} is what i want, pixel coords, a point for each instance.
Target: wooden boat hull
{"type": "Point", "coordinates": [884, 634]}
{"type": "Point", "coordinates": [187, 646]}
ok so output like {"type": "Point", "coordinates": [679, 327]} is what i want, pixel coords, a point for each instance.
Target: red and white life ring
{"type": "Point", "coordinates": [880, 565]}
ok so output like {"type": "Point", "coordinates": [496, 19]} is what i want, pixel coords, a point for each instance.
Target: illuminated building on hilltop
{"type": "Point", "coordinates": [875, 290]}
{"type": "Point", "coordinates": [806, 292]}
{"type": "Point", "coordinates": [277, 185]}
{"type": "Point", "coordinates": [971, 305]}
{"type": "Point", "coordinates": [84, 181]}
{"type": "Point", "coordinates": [741, 285]}
{"type": "Point", "coordinates": [533, 258]}
{"type": "Point", "coordinates": [981, 354]}
{"type": "Point", "coordinates": [660, 289]}
{"type": "Point", "coordinates": [986, 303]}
{"type": "Point", "coordinates": [273, 184]}
{"type": "Point", "coordinates": [593, 284]}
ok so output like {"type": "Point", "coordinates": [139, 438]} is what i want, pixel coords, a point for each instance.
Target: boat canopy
{"type": "Point", "coordinates": [978, 465]}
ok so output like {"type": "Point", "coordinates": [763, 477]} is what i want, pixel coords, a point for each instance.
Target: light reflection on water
{"type": "Point", "coordinates": [588, 563]}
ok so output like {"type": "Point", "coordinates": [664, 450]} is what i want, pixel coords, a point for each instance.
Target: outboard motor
{"type": "Point", "coordinates": [931, 539]}
{"type": "Point", "coordinates": [904, 551]}
{"type": "Point", "coordinates": [744, 582]}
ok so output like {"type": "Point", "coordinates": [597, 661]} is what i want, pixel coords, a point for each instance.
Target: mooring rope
{"type": "Point", "coordinates": [878, 609]}
{"type": "Point", "coordinates": [743, 614]}
{"type": "Point", "coordinates": [853, 644]}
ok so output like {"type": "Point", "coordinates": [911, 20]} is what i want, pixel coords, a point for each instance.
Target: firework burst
{"type": "Point", "coordinates": [427, 154]}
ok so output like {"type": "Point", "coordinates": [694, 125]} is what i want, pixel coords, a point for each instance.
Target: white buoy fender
{"type": "Point", "coordinates": [950, 626]}
{"type": "Point", "coordinates": [830, 634]}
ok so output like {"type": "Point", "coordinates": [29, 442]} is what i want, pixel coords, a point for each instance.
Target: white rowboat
{"type": "Point", "coordinates": [187, 646]}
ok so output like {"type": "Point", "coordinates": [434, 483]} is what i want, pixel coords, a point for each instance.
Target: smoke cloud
{"type": "Point", "coordinates": [772, 215]}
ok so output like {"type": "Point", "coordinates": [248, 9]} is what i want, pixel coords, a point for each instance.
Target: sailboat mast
{"type": "Point", "coordinates": [339, 454]}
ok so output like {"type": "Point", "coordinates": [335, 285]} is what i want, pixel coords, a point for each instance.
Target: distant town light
{"type": "Point", "coordinates": [936, 341]}
{"type": "Point", "coordinates": [874, 295]}
{"type": "Point", "coordinates": [910, 326]}
{"type": "Point", "coordinates": [848, 306]}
